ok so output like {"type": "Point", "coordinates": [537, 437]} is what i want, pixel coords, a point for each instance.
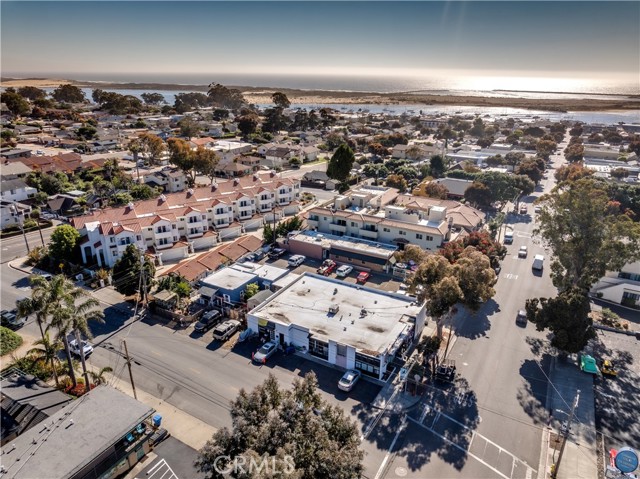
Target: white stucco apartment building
{"type": "Point", "coordinates": [176, 224]}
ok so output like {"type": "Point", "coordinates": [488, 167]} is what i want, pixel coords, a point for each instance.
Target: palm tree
{"type": "Point", "coordinates": [79, 316]}
{"type": "Point", "coordinates": [56, 299]}
{"type": "Point", "coordinates": [48, 353]}
{"type": "Point", "coordinates": [60, 321]}
{"type": "Point", "coordinates": [39, 302]}
{"type": "Point", "coordinates": [98, 377]}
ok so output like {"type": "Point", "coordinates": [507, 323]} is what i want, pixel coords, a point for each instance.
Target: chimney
{"type": "Point", "coordinates": [236, 182]}
{"type": "Point", "coordinates": [190, 192]}
{"type": "Point", "coordinates": [272, 173]}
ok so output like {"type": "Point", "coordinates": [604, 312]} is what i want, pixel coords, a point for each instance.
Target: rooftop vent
{"type": "Point", "coordinates": [130, 205]}
{"type": "Point", "coordinates": [163, 198]}
{"type": "Point", "coordinates": [334, 308]}
{"type": "Point", "coordinates": [190, 191]}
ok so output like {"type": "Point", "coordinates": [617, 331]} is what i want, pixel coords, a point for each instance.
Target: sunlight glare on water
{"type": "Point", "coordinates": [546, 84]}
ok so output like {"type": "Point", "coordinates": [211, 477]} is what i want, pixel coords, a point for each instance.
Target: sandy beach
{"type": "Point", "coordinates": [262, 95]}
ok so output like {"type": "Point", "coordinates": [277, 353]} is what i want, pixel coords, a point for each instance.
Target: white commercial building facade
{"type": "Point", "coordinates": [347, 325]}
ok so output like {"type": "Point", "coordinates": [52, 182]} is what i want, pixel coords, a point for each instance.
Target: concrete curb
{"type": "Point", "coordinates": [19, 268]}
{"type": "Point", "coordinates": [614, 330]}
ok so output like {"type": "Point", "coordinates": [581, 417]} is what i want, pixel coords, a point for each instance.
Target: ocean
{"type": "Point", "coordinates": [488, 87]}
{"type": "Point", "coordinates": [534, 87]}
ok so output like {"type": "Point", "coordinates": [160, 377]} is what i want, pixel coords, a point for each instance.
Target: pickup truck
{"type": "Point", "coordinates": [327, 267]}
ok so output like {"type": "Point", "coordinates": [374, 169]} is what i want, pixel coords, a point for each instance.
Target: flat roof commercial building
{"type": "Point", "coordinates": [360, 253]}
{"type": "Point", "coordinates": [347, 325]}
{"type": "Point", "coordinates": [100, 435]}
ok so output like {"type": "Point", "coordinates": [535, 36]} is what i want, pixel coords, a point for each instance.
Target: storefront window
{"type": "Point", "coordinates": [368, 365]}
{"type": "Point", "coordinates": [318, 348]}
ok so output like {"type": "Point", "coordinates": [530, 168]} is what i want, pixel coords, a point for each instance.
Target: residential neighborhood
{"type": "Point", "coordinates": [327, 273]}
{"type": "Point", "coordinates": [210, 241]}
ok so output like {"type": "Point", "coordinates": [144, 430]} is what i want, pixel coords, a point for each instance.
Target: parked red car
{"type": "Point", "coordinates": [363, 276]}
{"type": "Point", "coordinates": [328, 266]}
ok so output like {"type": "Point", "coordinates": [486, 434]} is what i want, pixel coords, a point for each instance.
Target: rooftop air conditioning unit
{"type": "Point", "coordinates": [334, 308]}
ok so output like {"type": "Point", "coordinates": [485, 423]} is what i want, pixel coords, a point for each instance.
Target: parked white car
{"type": "Point", "coordinates": [349, 380]}
{"type": "Point", "coordinates": [75, 350]}
{"type": "Point", "coordinates": [296, 260]}
{"type": "Point", "coordinates": [343, 271]}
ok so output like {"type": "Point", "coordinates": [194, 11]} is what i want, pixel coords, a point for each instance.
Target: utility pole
{"type": "Point", "coordinates": [143, 274]}
{"type": "Point", "coordinates": [565, 435]}
{"type": "Point", "coordinates": [126, 353]}
{"type": "Point", "coordinates": [21, 224]}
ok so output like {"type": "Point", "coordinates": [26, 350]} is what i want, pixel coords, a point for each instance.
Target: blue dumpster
{"type": "Point", "coordinates": [157, 420]}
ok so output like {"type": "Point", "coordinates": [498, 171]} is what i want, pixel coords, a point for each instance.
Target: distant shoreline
{"type": "Point", "coordinates": [262, 95]}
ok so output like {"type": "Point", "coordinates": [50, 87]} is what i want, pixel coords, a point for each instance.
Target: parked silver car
{"type": "Point", "coordinates": [349, 380]}
{"type": "Point", "coordinates": [267, 350]}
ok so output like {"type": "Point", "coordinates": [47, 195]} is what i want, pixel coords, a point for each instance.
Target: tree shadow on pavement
{"type": "Point", "coordinates": [452, 413]}
{"type": "Point", "coordinates": [617, 400]}
{"type": "Point", "coordinates": [477, 324]}
{"type": "Point", "coordinates": [532, 395]}
{"type": "Point", "coordinates": [115, 317]}
{"type": "Point", "coordinates": [540, 346]}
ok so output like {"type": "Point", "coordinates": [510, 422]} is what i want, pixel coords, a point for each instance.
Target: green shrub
{"type": "Point", "coordinates": [9, 341]}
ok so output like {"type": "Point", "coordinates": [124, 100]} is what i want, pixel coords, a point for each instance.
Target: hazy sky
{"type": "Point", "coordinates": [600, 39]}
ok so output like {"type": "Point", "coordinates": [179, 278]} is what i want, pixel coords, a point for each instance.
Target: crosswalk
{"type": "Point", "coordinates": [503, 463]}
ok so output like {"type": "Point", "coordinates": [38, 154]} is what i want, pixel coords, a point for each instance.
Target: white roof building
{"type": "Point", "coordinates": [345, 324]}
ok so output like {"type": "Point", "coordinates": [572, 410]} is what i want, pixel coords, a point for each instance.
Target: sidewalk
{"type": "Point", "coordinates": [392, 396]}
{"type": "Point", "coordinates": [184, 427]}
{"type": "Point", "coordinates": [18, 265]}
{"type": "Point", "coordinates": [579, 460]}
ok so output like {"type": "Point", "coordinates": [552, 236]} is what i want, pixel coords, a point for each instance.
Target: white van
{"type": "Point", "coordinates": [538, 262]}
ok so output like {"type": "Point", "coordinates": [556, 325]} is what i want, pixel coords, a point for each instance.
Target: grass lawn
{"type": "Point", "coordinates": [9, 340]}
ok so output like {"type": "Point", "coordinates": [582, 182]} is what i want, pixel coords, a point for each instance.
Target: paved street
{"type": "Point", "coordinates": [490, 423]}
{"type": "Point", "coordinates": [201, 377]}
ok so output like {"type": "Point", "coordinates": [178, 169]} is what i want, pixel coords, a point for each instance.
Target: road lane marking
{"type": "Point", "coordinates": [530, 470]}
{"type": "Point", "coordinates": [500, 448]}
{"type": "Point", "coordinates": [393, 443]}
{"type": "Point", "coordinates": [377, 418]}
{"type": "Point", "coordinates": [511, 276]}
{"type": "Point", "coordinates": [461, 448]}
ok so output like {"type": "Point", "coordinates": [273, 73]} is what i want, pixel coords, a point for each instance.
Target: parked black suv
{"type": "Point", "coordinates": [276, 253]}
{"type": "Point", "coordinates": [208, 321]}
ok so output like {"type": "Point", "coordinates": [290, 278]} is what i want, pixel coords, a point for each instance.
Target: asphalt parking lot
{"type": "Point", "coordinates": [618, 399]}
{"type": "Point", "coordinates": [174, 460]}
{"type": "Point", "coordinates": [378, 281]}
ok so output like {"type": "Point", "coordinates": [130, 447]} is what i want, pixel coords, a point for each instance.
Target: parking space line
{"type": "Point", "coordinates": [489, 441]}
{"type": "Point", "coordinates": [475, 434]}
{"type": "Point", "coordinates": [461, 448]}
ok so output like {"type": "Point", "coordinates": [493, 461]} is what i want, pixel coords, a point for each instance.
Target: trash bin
{"type": "Point", "coordinates": [157, 420]}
